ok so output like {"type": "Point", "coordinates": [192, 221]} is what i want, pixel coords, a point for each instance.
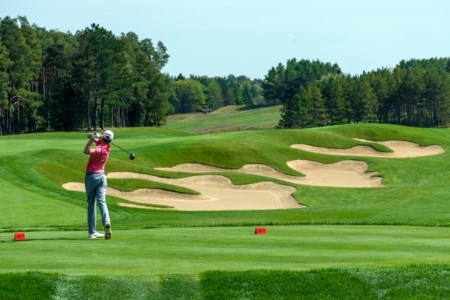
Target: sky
{"type": "Point", "coordinates": [248, 37]}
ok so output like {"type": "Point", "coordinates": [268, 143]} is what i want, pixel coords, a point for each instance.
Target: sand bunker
{"type": "Point", "coordinates": [347, 173]}
{"type": "Point", "coordinates": [401, 149]}
{"type": "Point", "coordinates": [217, 193]}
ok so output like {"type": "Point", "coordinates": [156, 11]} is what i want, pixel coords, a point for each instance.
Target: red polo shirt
{"type": "Point", "coordinates": [98, 157]}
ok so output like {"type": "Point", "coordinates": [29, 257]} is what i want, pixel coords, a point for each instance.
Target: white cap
{"type": "Point", "coordinates": [108, 136]}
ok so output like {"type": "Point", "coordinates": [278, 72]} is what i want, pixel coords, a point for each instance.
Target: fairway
{"type": "Point", "coordinates": [373, 223]}
{"type": "Point", "coordinates": [229, 118]}
{"type": "Point", "coordinates": [192, 251]}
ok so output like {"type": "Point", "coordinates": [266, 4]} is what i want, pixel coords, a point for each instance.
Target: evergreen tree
{"type": "Point", "coordinates": [188, 96]}
{"type": "Point", "coordinates": [315, 109]}
{"type": "Point", "coordinates": [19, 72]}
{"type": "Point", "coordinates": [5, 63]}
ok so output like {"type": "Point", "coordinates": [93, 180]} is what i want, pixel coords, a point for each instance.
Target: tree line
{"type": "Point", "coordinates": [50, 80]}
{"type": "Point", "coordinates": [203, 93]}
{"type": "Point", "coordinates": [313, 93]}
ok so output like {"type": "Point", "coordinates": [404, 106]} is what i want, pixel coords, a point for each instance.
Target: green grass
{"type": "Point", "coordinates": [376, 243]}
{"type": "Point", "coordinates": [410, 282]}
{"type": "Point", "coordinates": [416, 191]}
{"type": "Point", "coordinates": [129, 185]}
{"type": "Point", "coordinates": [229, 118]}
{"type": "Point", "coordinates": [191, 251]}
{"type": "Point", "coordinates": [289, 262]}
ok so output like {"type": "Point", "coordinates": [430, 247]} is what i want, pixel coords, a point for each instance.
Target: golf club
{"type": "Point", "coordinates": [131, 153]}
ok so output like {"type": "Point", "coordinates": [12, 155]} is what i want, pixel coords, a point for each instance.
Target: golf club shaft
{"type": "Point", "coordinates": [120, 148]}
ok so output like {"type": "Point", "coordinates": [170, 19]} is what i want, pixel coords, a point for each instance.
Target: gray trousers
{"type": "Point", "coordinates": [96, 185]}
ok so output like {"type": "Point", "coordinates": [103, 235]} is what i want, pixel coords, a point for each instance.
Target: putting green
{"type": "Point", "coordinates": [194, 250]}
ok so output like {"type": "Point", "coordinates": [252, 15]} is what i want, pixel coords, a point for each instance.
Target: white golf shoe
{"type": "Point", "coordinates": [96, 235]}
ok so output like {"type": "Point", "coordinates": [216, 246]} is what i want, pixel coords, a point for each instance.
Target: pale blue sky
{"type": "Point", "coordinates": [248, 37]}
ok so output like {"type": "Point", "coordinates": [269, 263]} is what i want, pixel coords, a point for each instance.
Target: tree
{"type": "Point", "coordinates": [5, 63]}
{"type": "Point", "coordinates": [364, 101]}
{"type": "Point", "coordinates": [156, 104]}
{"type": "Point", "coordinates": [385, 87]}
{"type": "Point", "coordinates": [247, 95]}
{"type": "Point", "coordinates": [94, 67]}
{"type": "Point", "coordinates": [332, 90]}
{"type": "Point", "coordinates": [293, 112]}
{"type": "Point", "coordinates": [19, 71]}
{"type": "Point", "coordinates": [189, 96]}
{"type": "Point", "coordinates": [215, 97]}
{"type": "Point", "coordinates": [61, 109]}
{"type": "Point", "coordinates": [272, 85]}
{"type": "Point", "coordinates": [315, 108]}
{"type": "Point", "coordinates": [285, 83]}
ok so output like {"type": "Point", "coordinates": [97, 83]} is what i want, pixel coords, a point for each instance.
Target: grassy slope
{"type": "Point", "coordinates": [229, 118]}
{"type": "Point", "coordinates": [416, 192]}
{"type": "Point", "coordinates": [34, 166]}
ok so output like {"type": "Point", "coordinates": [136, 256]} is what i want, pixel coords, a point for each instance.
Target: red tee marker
{"type": "Point", "coordinates": [19, 236]}
{"type": "Point", "coordinates": [260, 230]}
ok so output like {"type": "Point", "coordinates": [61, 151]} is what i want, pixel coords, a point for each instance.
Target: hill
{"type": "Point", "coordinates": [229, 118]}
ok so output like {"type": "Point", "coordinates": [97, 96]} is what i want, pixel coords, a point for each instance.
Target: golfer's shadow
{"type": "Point", "coordinates": [56, 239]}
{"type": "Point", "coordinates": [44, 239]}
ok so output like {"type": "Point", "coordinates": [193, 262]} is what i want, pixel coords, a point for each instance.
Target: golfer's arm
{"type": "Point", "coordinates": [88, 148]}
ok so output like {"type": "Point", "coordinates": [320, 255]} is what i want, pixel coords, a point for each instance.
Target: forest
{"type": "Point", "coordinates": [53, 81]}
{"type": "Point", "coordinates": [413, 93]}
{"type": "Point", "coordinates": [93, 79]}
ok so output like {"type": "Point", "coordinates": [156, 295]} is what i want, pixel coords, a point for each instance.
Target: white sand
{"type": "Point", "coordinates": [347, 173]}
{"type": "Point", "coordinates": [218, 193]}
{"type": "Point", "coordinates": [401, 149]}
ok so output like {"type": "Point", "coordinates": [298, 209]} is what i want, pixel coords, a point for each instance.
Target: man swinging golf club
{"type": "Point", "coordinates": [96, 183]}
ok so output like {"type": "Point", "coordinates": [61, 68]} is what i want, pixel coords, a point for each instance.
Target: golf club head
{"type": "Point", "coordinates": [132, 156]}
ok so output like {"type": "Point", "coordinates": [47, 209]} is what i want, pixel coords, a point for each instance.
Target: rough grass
{"type": "Point", "coordinates": [409, 282]}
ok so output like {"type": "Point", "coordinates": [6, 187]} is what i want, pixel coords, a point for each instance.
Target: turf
{"type": "Point", "coordinates": [379, 243]}
{"type": "Point", "coordinates": [229, 118]}
{"type": "Point", "coordinates": [192, 251]}
{"type": "Point", "coordinates": [410, 282]}
{"type": "Point", "coordinates": [416, 191]}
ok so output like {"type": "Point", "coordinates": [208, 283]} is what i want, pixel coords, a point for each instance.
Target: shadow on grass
{"type": "Point", "coordinates": [48, 239]}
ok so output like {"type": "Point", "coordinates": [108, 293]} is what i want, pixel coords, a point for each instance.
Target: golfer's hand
{"type": "Point", "coordinates": [94, 136]}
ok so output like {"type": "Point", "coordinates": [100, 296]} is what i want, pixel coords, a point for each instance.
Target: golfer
{"type": "Point", "coordinates": [95, 182]}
